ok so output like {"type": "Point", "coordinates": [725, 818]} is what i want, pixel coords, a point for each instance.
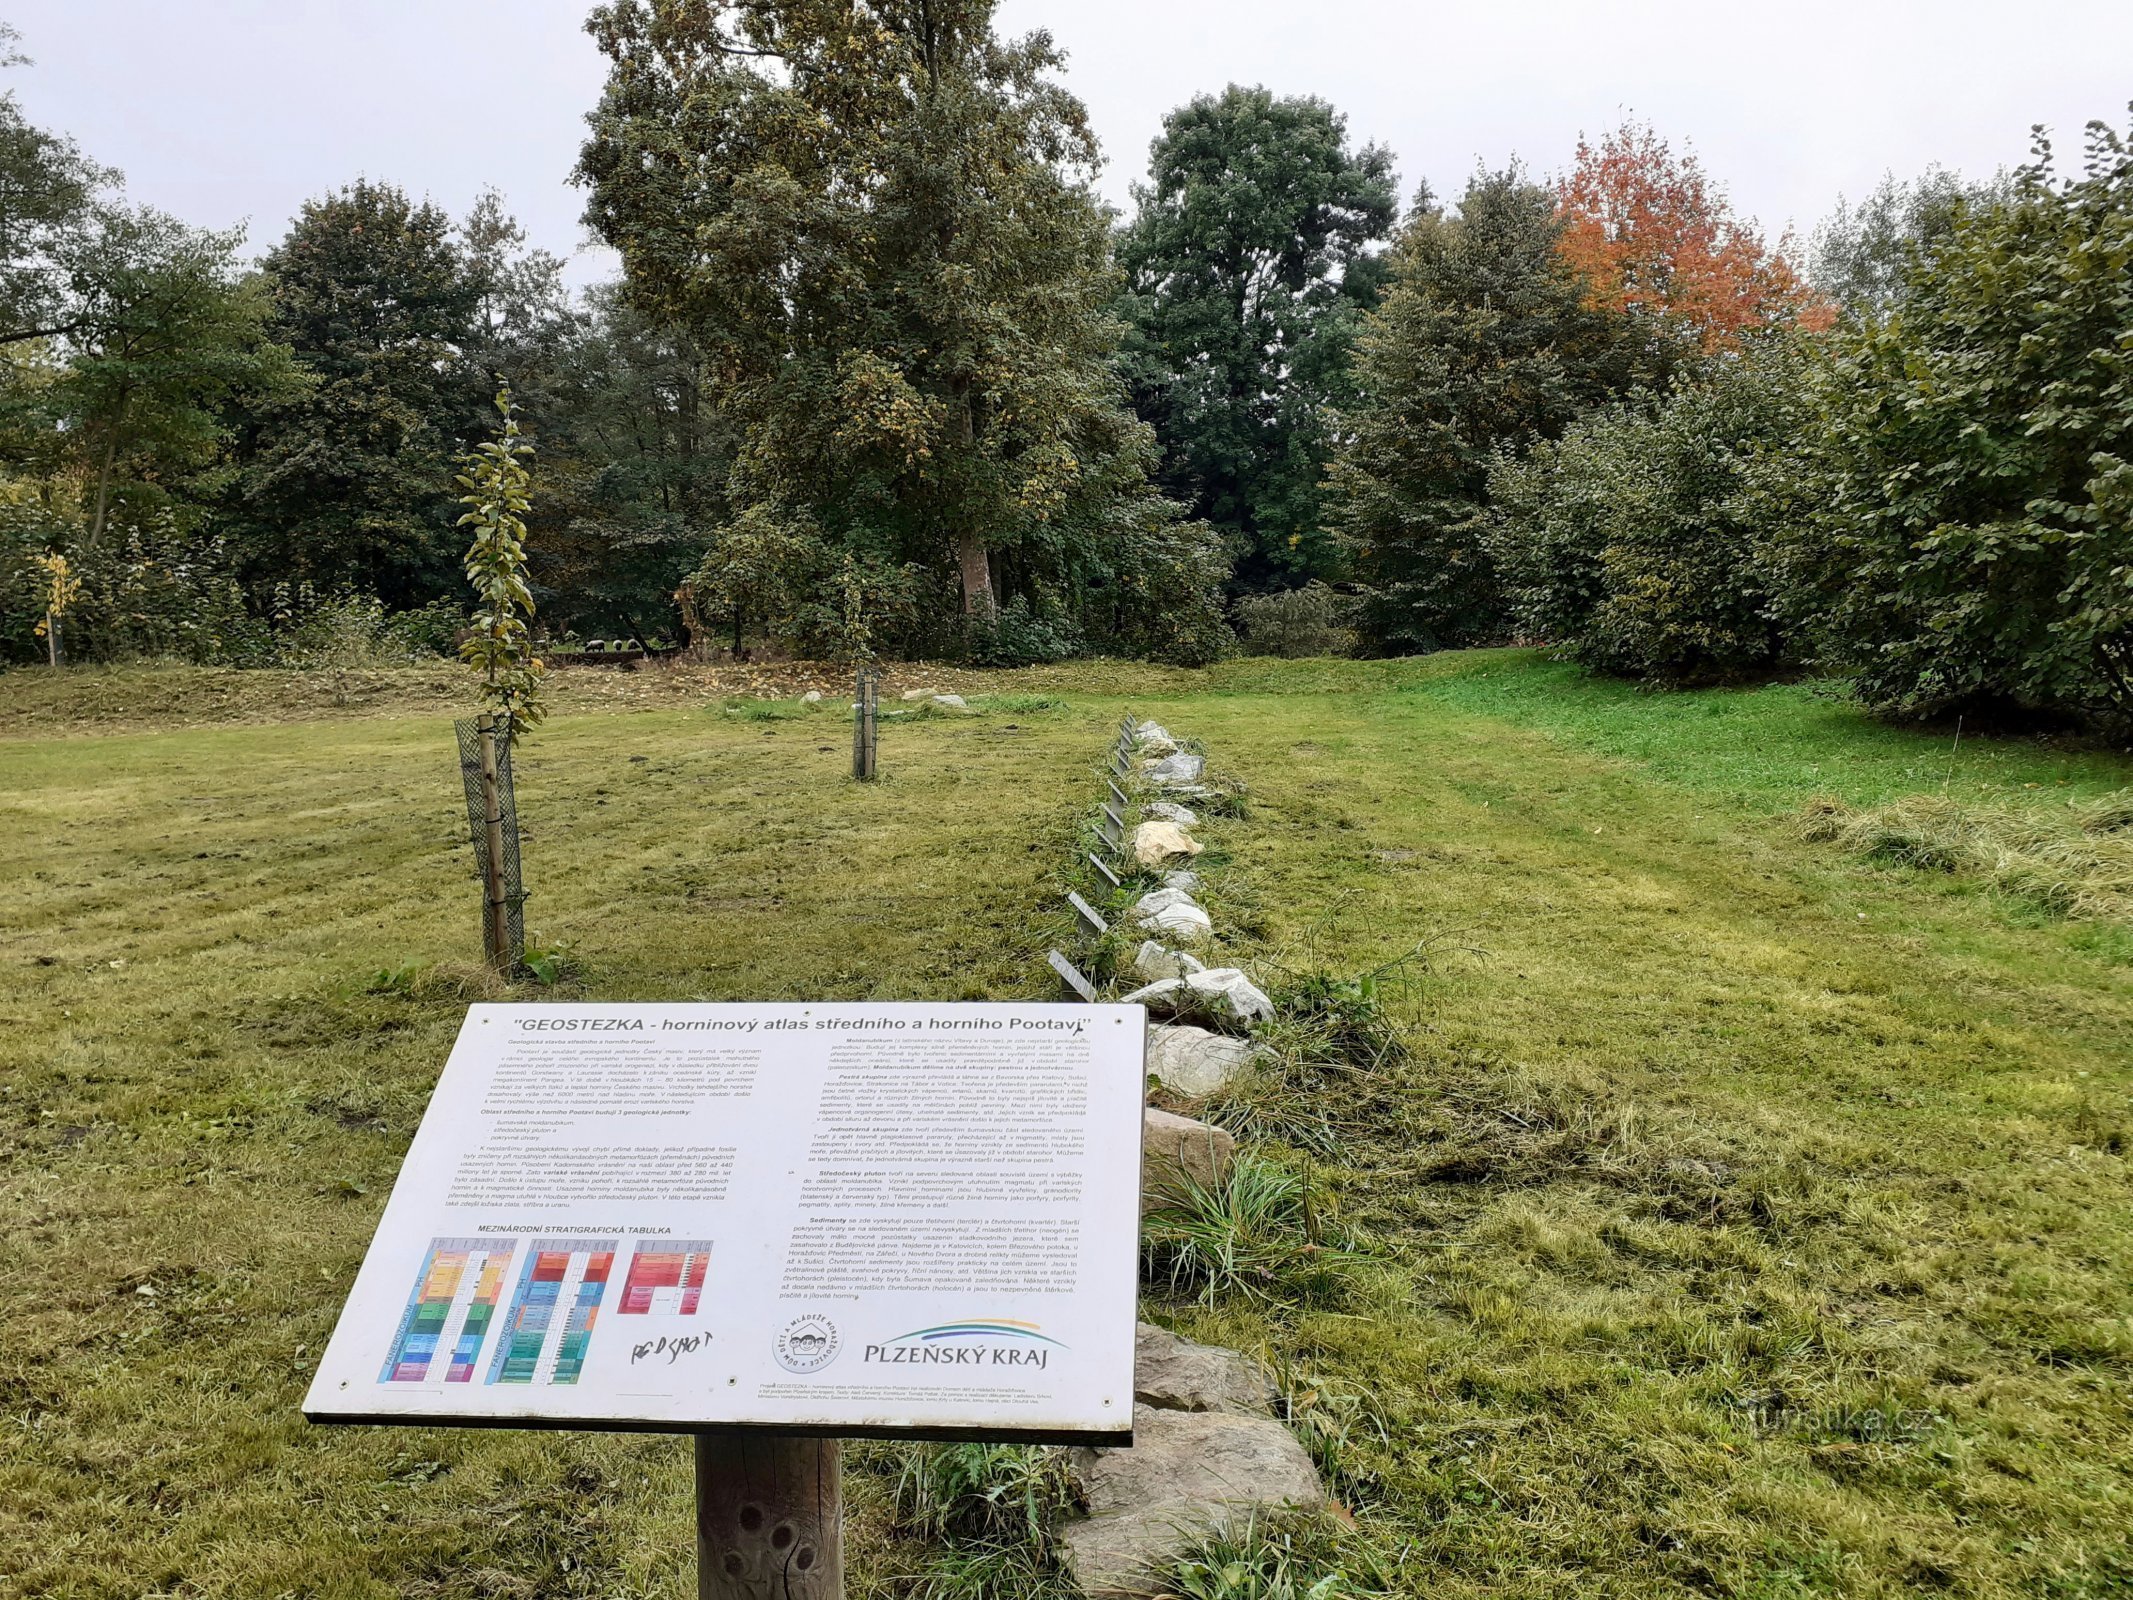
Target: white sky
{"type": "Point", "coordinates": [225, 111]}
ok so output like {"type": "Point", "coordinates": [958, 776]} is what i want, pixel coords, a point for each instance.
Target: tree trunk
{"type": "Point", "coordinates": [976, 562]}
{"type": "Point", "coordinates": [103, 491]}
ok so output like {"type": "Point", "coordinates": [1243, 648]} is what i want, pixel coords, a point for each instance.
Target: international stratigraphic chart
{"type": "Point", "coordinates": [449, 1311]}
{"type": "Point", "coordinates": [550, 1323]}
{"type": "Point", "coordinates": [666, 1278]}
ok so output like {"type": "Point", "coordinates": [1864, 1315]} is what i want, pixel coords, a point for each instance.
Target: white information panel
{"type": "Point", "coordinates": [837, 1219]}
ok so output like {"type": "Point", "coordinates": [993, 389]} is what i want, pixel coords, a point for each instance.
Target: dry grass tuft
{"type": "Point", "coordinates": [2076, 859]}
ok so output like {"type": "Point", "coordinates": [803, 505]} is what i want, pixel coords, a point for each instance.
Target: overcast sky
{"type": "Point", "coordinates": [227, 111]}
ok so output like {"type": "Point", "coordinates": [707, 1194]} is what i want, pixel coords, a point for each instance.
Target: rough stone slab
{"type": "Point", "coordinates": [1175, 1374]}
{"type": "Point", "coordinates": [812, 697]}
{"type": "Point", "coordinates": [1194, 1062]}
{"type": "Point", "coordinates": [1175, 1148]}
{"type": "Point", "coordinates": [1166, 811]}
{"type": "Point", "coordinates": [1182, 878]}
{"type": "Point", "coordinates": [1189, 1474]}
{"type": "Point", "coordinates": [1157, 842]}
{"type": "Point", "coordinates": [954, 702]}
{"type": "Point", "coordinates": [916, 694]}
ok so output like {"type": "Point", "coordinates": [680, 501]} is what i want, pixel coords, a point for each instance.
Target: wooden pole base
{"type": "Point", "coordinates": [769, 1517]}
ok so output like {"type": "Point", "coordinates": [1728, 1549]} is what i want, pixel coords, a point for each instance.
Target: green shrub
{"type": "Point", "coordinates": [1647, 541]}
{"type": "Point", "coordinates": [1297, 623]}
{"type": "Point", "coordinates": [1980, 521]}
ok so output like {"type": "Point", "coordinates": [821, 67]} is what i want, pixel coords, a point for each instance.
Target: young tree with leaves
{"type": "Point", "coordinates": [874, 218]}
{"type": "Point", "coordinates": [1248, 266]}
{"type": "Point", "coordinates": [498, 485]}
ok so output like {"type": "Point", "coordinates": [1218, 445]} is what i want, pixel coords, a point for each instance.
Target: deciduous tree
{"type": "Point", "coordinates": [874, 219]}
{"type": "Point", "coordinates": [1248, 266]}
{"type": "Point", "coordinates": [1652, 236]}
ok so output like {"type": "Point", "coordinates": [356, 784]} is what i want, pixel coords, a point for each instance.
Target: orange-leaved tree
{"type": "Point", "coordinates": [1651, 235]}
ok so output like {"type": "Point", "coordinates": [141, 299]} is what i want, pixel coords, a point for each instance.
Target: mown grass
{"type": "Point", "coordinates": [1741, 1217]}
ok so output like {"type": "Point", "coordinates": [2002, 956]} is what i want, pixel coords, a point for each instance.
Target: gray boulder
{"type": "Point", "coordinates": [1174, 1149]}
{"type": "Point", "coordinates": [1195, 1063]}
{"type": "Point", "coordinates": [1175, 1374]}
{"type": "Point", "coordinates": [954, 702]}
{"type": "Point", "coordinates": [1153, 961]}
{"type": "Point", "coordinates": [1189, 1474]}
{"type": "Point", "coordinates": [1164, 811]}
{"type": "Point", "coordinates": [1177, 769]}
{"type": "Point", "coordinates": [1174, 912]}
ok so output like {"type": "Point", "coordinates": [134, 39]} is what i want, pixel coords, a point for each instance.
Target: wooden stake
{"type": "Point", "coordinates": [769, 1517]}
{"type": "Point", "coordinates": [865, 696]}
{"type": "Point", "coordinates": [496, 928]}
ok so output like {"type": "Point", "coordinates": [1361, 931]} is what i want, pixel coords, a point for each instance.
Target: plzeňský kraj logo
{"type": "Point", "coordinates": [980, 1342]}
{"type": "Point", "coordinates": [807, 1344]}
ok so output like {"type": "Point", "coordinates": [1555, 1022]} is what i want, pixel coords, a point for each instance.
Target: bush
{"type": "Point", "coordinates": [1311, 621]}
{"type": "Point", "coordinates": [1980, 522]}
{"type": "Point", "coordinates": [1647, 541]}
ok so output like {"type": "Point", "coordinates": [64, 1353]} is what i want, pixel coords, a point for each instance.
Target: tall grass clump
{"type": "Point", "coordinates": [1278, 1558]}
{"type": "Point", "coordinates": [993, 1510]}
{"type": "Point", "coordinates": [2075, 859]}
{"type": "Point", "coordinates": [1262, 1231]}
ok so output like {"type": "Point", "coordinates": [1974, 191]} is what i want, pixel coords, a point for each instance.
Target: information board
{"type": "Point", "coordinates": [831, 1219]}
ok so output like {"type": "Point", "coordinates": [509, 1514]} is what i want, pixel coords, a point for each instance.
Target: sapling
{"type": "Point", "coordinates": [500, 645]}
{"type": "Point", "coordinates": [62, 588]}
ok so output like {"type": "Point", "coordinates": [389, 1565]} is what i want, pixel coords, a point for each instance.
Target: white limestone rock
{"type": "Point", "coordinates": [1172, 912]}
{"type": "Point", "coordinates": [813, 697]}
{"type": "Point", "coordinates": [1165, 811]}
{"type": "Point", "coordinates": [954, 702]}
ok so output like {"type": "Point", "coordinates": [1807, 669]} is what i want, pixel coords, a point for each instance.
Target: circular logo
{"type": "Point", "coordinates": [807, 1344]}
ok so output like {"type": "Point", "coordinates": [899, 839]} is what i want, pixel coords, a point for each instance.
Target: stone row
{"type": "Point", "coordinates": [1208, 1453]}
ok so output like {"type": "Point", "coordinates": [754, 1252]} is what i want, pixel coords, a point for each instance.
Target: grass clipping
{"type": "Point", "coordinates": [2077, 859]}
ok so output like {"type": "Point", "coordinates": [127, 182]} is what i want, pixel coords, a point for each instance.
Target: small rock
{"type": "Point", "coordinates": [916, 694]}
{"type": "Point", "coordinates": [1247, 1001]}
{"type": "Point", "coordinates": [1164, 811]}
{"type": "Point", "coordinates": [1174, 1374]}
{"type": "Point", "coordinates": [954, 702]}
{"type": "Point", "coordinates": [1172, 911]}
{"type": "Point", "coordinates": [812, 697]}
{"type": "Point", "coordinates": [1153, 961]}
{"type": "Point", "coordinates": [1181, 878]}
{"type": "Point", "coordinates": [1175, 1148]}
{"type": "Point", "coordinates": [1177, 769]}
{"type": "Point", "coordinates": [1188, 1475]}
{"type": "Point", "coordinates": [1193, 1062]}
{"type": "Point", "coordinates": [1227, 989]}
{"type": "Point", "coordinates": [1157, 842]}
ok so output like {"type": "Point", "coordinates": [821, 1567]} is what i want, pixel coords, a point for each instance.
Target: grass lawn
{"type": "Point", "coordinates": [1746, 1218]}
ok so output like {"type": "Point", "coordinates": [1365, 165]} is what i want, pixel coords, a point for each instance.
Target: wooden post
{"type": "Point", "coordinates": [769, 1517]}
{"type": "Point", "coordinates": [496, 922]}
{"type": "Point", "coordinates": [864, 696]}
{"type": "Point", "coordinates": [51, 635]}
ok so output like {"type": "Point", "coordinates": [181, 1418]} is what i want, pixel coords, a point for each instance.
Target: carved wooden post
{"type": "Point", "coordinates": [496, 926]}
{"type": "Point", "coordinates": [769, 1517]}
